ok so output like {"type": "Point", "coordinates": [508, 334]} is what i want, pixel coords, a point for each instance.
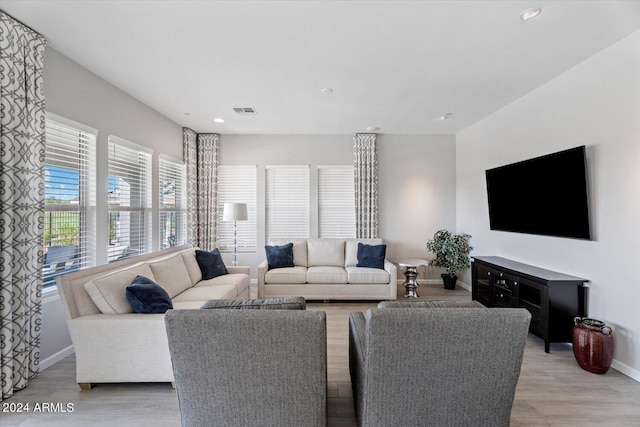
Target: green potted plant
{"type": "Point", "coordinates": [452, 253]}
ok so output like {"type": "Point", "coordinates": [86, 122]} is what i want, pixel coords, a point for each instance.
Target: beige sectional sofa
{"type": "Point", "coordinates": [114, 344]}
{"type": "Point", "coordinates": [327, 269]}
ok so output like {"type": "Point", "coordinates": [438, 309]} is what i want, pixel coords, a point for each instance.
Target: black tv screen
{"type": "Point", "coordinates": [546, 195]}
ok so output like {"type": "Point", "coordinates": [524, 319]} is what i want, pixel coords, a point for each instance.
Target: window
{"type": "Point", "coordinates": [129, 188]}
{"type": "Point", "coordinates": [336, 202]}
{"type": "Point", "coordinates": [237, 183]}
{"type": "Point", "coordinates": [173, 202]}
{"type": "Point", "coordinates": [70, 198]}
{"type": "Point", "coordinates": [287, 202]}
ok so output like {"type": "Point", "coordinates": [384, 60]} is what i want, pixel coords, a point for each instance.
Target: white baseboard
{"type": "Point", "coordinates": [626, 370]}
{"type": "Point", "coordinates": [55, 358]}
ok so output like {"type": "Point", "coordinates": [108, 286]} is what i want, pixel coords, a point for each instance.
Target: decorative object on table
{"type": "Point", "coordinates": [452, 253]}
{"type": "Point", "coordinates": [411, 273]}
{"type": "Point", "coordinates": [235, 212]}
{"type": "Point", "coordinates": [592, 344]}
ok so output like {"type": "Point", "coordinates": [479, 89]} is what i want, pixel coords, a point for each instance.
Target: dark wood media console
{"type": "Point", "coordinates": [552, 298]}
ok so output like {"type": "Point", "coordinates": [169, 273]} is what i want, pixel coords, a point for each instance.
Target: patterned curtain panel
{"type": "Point", "coordinates": [201, 157]}
{"type": "Point", "coordinates": [208, 148]}
{"type": "Point", "coordinates": [190, 154]}
{"type": "Point", "coordinates": [365, 162]}
{"type": "Point", "coordinates": [22, 151]}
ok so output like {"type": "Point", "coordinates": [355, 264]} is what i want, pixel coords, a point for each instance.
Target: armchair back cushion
{"type": "Point", "coordinates": [249, 367]}
{"type": "Point", "coordinates": [461, 369]}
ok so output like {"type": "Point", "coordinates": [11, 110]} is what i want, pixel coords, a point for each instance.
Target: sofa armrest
{"type": "Point", "coordinates": [121, 348]}
{"type": "Point", "coordinates": [263, 267]}
{"type": "Point", "coordinates": [392, 270]}
{"type": "Point", "coordinates": [240, 269]}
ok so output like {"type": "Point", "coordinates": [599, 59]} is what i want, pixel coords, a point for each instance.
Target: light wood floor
{"type": "Point", "coordinates": [552, 390]}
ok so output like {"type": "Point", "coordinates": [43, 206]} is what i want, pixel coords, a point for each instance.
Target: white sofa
{"type": "Point", "coordinates": [326, 269]}
{"type": "Point", "coordinates": [114, 344]}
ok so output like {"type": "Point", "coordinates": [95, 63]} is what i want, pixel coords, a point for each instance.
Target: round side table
{"type": "Point", "coordinates": [411, 273]}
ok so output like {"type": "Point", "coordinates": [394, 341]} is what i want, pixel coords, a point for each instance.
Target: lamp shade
{"type": "Point", "coordinates": [234, 212]}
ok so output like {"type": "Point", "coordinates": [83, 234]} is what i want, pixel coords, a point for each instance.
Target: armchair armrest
{"type": "Point", "coordinates": [263, 267]}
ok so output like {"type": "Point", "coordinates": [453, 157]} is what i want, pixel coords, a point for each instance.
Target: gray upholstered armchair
{"type": "Point", "coordinates": [249, 367]}
{"type": "Point", "coordinates": [436, 366]}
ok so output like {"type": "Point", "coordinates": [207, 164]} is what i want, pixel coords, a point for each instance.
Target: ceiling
{"type": "Point", "coordinates": [395, 65]}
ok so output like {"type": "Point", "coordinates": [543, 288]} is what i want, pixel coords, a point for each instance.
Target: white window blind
{"type": "Point", "coordinates": [173, 202]}
{"type": "Point", "coordinates": [129, 187]}
{"type": "Point", "coordinates": [336, 202]}
{"type": "Point", "coordinates": [70, 198]}
{"type": "Point", "coordinates": [237, 184]}
{"type": "Point", "coordinates": [287, 202]}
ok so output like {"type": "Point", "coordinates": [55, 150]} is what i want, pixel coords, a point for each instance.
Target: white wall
{"type": "Point", "coordinates": [416, 182]}
{"type": "Point", "coordinates": [73, 92]}
{"type": "Point", "coordinates": [596, 104]}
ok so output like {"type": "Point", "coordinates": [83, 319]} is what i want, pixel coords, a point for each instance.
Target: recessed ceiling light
{"type": "Point", "coordinates": [445, 117]}
{"type": "Point", "coordinates": [326, 90]}
{"type": "Point", "coordinates": [218, 120]}
{"type": "Point", "coordinates": [187, 114]}
{"type": "Point", "coordinates": [530, 13]}
{"type": "Point", "coordinates": [372, 128]}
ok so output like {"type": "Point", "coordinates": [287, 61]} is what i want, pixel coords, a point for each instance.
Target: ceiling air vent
{"type": "Point", "coordinates": [245, 111]}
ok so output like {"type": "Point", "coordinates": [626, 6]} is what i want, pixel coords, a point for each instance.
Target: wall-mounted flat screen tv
{"type": "Point", "coordinates": [546, 195]}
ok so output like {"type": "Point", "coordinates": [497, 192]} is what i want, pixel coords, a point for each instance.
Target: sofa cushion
{"type": "Point", "coordinates": [351, 250]}
{"type": "Point", "coordinates": [239, 280]}
{"type": "Point", "coordinates": [205, 293]}
{"type": "Point", "coordinates": [289, 275]}
{"type": "Point", "coordinates": [371, 256]}
{"type": "Point", "coordinates": [189, 258]}
{"type": "Point", "coordinates": [364, 275]}
{"type": "Point", "coordinates": [299, 250]}
{"type": "Point", "coordinates": [325, 252]}
{"type": "Point", "coordinates": [108, 292]}
{"type": "Point", "coordinates": [171, 274]}
{"type": "Point", "coordinates": [282, 303]}
{"type": "Point", "coordinates": [146, 296]}
{"type": "Point", "coordinates": [211, 264]}
{"type": "Point", "coordinates": [326, 274]}
{"type": "Point", "coordinates": [279, 256]}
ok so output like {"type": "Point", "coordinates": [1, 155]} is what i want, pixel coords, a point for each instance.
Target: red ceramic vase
{"type": "Point", "coordinates": [592, 344]}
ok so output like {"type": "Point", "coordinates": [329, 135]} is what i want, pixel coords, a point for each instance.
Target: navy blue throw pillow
{"type": "Point", "coordinates": [211, 264]}
{"type": "Point", "coordinates": [146, 296]}
{"type": "Point", "coordinates": [279, 256]}
{"type": "Point", "coordinates": [371, 256]}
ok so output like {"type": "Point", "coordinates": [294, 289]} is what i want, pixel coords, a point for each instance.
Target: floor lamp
{"type": "Point", "coordinates": [235, 212]}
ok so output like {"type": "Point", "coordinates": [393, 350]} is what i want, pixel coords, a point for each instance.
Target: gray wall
{"type": "Point", "coordinates": [416, 182]}
{"type": "Point", "coordinates": [74, 93]}
{"type": "Point", "coordinates": [596, 104]}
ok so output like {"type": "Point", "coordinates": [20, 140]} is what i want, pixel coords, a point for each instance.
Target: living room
{"type": "Point", "coordinates": [586, 95]}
